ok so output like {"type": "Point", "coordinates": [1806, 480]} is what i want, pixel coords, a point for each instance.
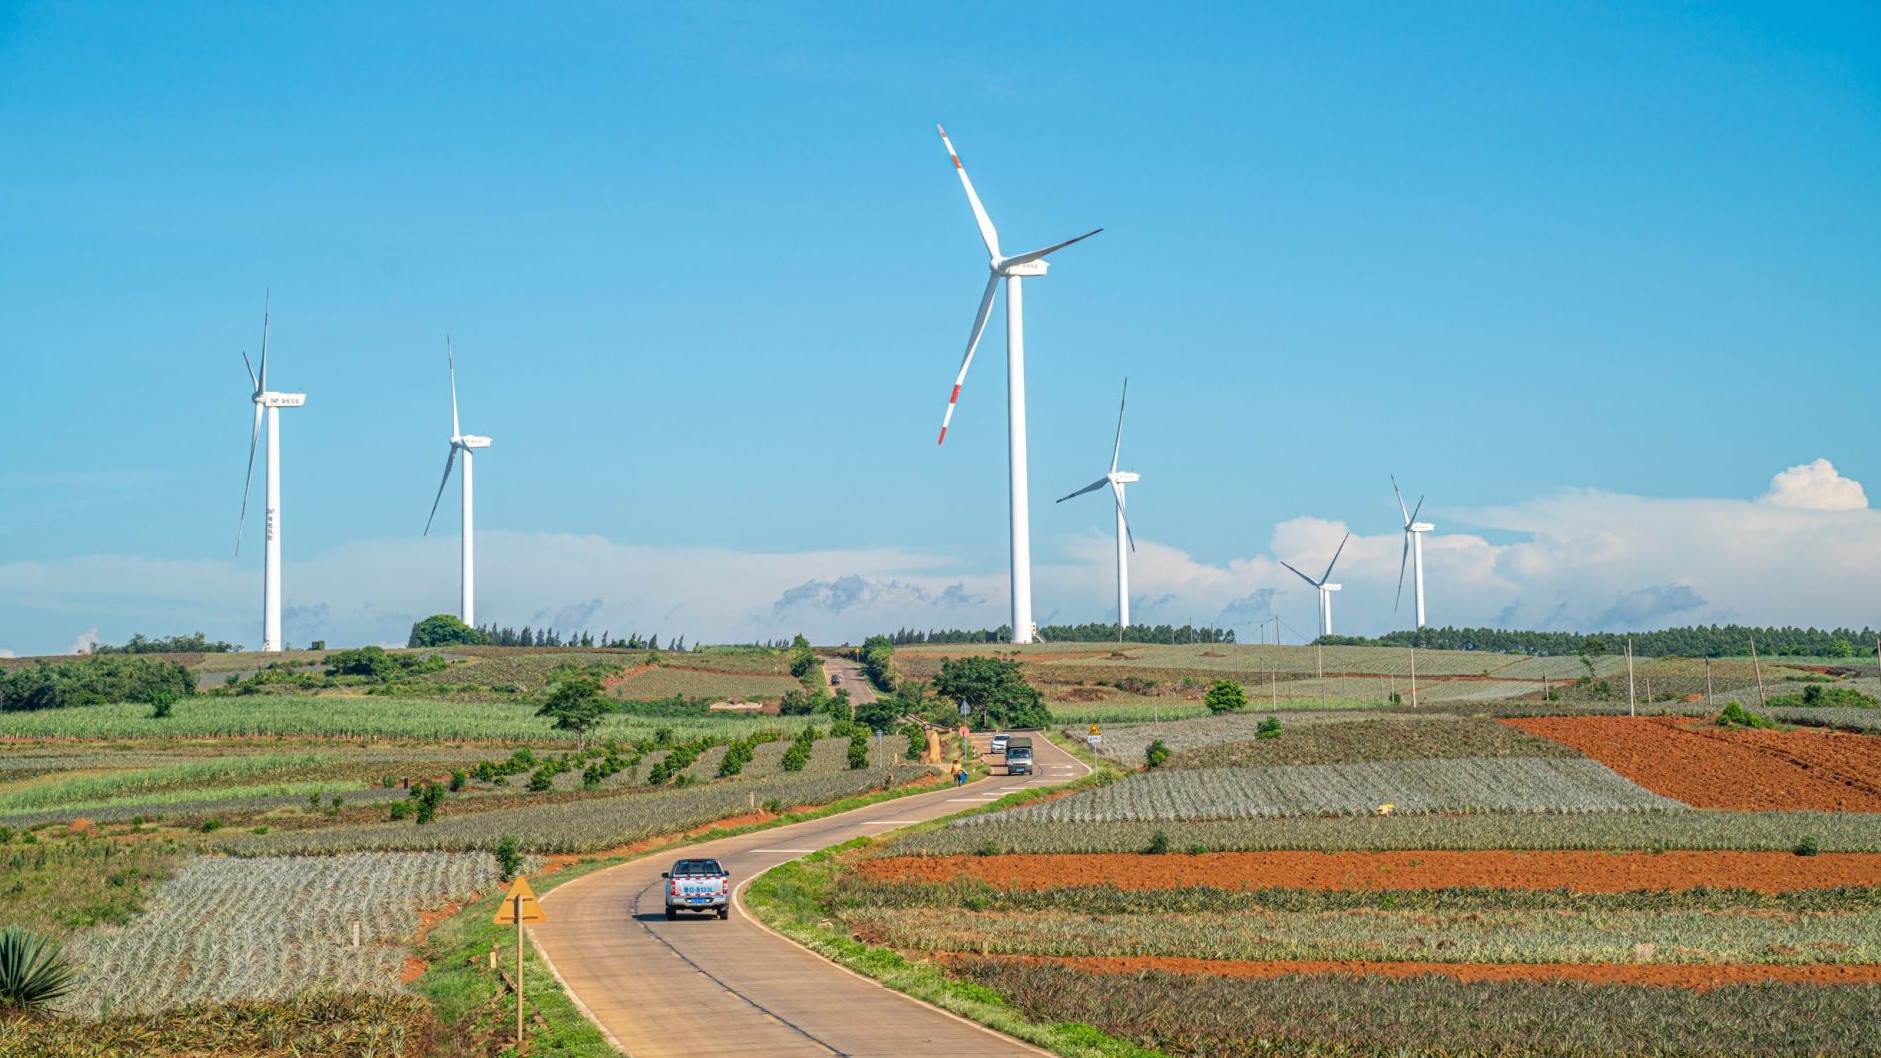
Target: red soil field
{"type": "Point", "coordinates": [1739, 770]}
{"type": "Point", "coordinates": [1676, 975]}
{"type": "Point", "coordinates": [1582, 872]}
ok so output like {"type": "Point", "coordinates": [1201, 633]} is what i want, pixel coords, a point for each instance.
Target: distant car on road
{"type": "Point", "coordinates": [835, 678]}
{"type": "Point", "coordinates": [697, 885]}
{"type": "Point", "coordinates": [999, 743]}
{"type": "Point", "coordinates": [1019, 755]}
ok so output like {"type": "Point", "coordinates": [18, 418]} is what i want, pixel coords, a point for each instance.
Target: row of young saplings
{"type": "Point", "coordinates": [605, 761]}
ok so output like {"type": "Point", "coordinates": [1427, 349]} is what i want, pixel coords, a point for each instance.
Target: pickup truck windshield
{"type": "Point", "coordinates": [694, 868]}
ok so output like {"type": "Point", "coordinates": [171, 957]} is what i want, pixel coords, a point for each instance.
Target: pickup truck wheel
{"type": "Point", "coordinates": [724, 913]}
{"type": "Point", "coordinates": [671, 914]}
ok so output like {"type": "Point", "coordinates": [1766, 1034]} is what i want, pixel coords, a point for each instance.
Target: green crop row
{"type": "Point", "coordinates": [1754, 831]}
{"type": "Point", "coordinates": [1438, 1017]}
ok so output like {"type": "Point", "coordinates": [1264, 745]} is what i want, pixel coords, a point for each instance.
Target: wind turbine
{"type": "Point", "coordinates": [1012, 270]}
{"type": "Point", "coordinates": [1414, 531]}
{"type": "Point", "coordinates": [271, 563]}
{"type": "Point", "coordinates": [466, 443]}
{"type": "Point", "coordinates": [1325, 590]}
{"type": "Point", "coordinates": [1126, 543]}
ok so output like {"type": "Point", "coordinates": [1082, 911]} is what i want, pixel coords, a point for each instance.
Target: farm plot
{"type": "Point", "coordinates": [1560, 933]}
{"type": "Point", "coordinates": [1742, 770]}
{"type": "Point", "coordinates": [1580, 872]}
{"type": "Point", "coordinates": [588, 824]}
{"type": "Point", "coordinates": [1374, 739]}
{"type": "Point", "coordinates": [1505, 784]}
{"type": "Point", "coordinates": [272, 927]}
{"type": "Point", "coordinates": [1126, 743]}
{"type": "Point", "coordinates": [1760, 831]}
{"type": "Point", "coordinates": [670, 682]}
{"type": "Point", "coordinates": [294, 716]}
{"type": "Point", "coordinates": [1370, 1017]}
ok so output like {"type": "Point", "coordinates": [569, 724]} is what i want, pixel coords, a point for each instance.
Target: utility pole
{"type": "Point", "coordinates": [1707, 681]}
{"type": "Point", "coordinates": [1273, 689]}
{"type": "Point", "coordinates": [1631, 710]}
{"type": "Point", "coordinates": [1758, 669]}
{"type": "Point", "coordinates": [1413, 676]}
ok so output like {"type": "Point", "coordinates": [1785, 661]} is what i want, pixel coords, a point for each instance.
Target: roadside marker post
{"type": "Point", "coordinates": [519, 906]}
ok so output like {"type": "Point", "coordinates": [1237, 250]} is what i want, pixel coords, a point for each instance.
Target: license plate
{"type": "Point", "coordinates": [701, 899]}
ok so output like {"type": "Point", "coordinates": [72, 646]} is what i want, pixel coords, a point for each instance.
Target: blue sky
{"type": "Point", "coordinates": [708, 275]}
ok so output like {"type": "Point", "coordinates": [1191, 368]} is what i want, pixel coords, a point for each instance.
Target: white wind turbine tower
{"type": "Point", "coordinates": [1414, 531]}
{"type": "Point", "coordinates": [1325, 590]}
{"type": "Point", "coordinates": [1012, 270]}
{"type": "Point", "coordinates": [273, 402]}
{"type": "Point", "coordinates": [1126, 543]}
{"type": "Point", "coordinates": [466, 443]}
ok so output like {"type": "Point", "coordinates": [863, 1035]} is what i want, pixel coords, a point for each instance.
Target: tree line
{"type": "Point", "coordinates": [1698, 641]}
{"type": "Point", "coordinates": [1083, 633]}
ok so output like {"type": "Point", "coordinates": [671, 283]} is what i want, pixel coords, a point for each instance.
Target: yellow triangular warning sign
{"type": "Point", "coordinates": [519, 905]}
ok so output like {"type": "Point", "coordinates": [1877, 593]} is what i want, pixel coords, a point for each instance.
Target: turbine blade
{"type": "Point", "coordinates": [451, 361]}
{"type": "Point", "coordinates": [449, 462]}
{"type": "Point", "coordinates": [1417, 510]}
{"type": "Point", "coordinates": [1128, 536]}
{"type": "Point", "coordinates": [985, 222]}
{"type": "Point", "coordinates": [1300, 575]}
{"type": "Point", "coordinates": [251, 372]}
{"type": "Point", "coordinates": [254, 439]}
{"type": "Point", "coordinates": [973, 342]}
{"type": "Point", "coordinates": [1402, 560]}
{"type": "Point", "coordinates": [1092, 487]}
{"type": "Point", "coordinates": [1026, 258]}
{"type": "Point", "coordinates": [1117, 448]}
{"type": "Point", "coordinates": [267, 297]}
{"type": "Point", "coordinates": [1335, 559]}
{"type": "Point", "coordinates": [1400, 495]}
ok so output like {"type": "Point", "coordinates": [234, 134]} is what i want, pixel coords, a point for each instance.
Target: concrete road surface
{"type": "Point", "coordinates": [697, 987]}
{"type": "Point", "coordinates": [858, 686]}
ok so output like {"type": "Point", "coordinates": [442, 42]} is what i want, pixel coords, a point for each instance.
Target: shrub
{"type": "Point", "coordinates": [1268, 728]}
{"type": "Point", "coordinates": [798, 754]}
{"type": "Point", "coordinates": [209, 825]}
{"type": "Point", "coordinates": [95, 681]}
{"type": "Point", "coordinates": [858, 751]}
{"type": "Point", "coordinates": [1158, 843]}
{"type": "Point", "coordinates": [402, 810]}
{"type": "Point", "coordinates": [458, 780]}
{"type": "Point", "coordinates": [509, 856]}
{"type": "Point", "coordinates": [33, 971]}
{"type": "Point", "coordinates": [1808, 846]}
{"type": "Point", "coordinates": [1817, 696]}
{"type": "Point", "coordinates": [1735, 715]}
{"type": "Point", "coordinates": [1156, 754]}
{"type": "Point", "coordinates": [1226, 696]}
{"type": "Point", "coordinates": [430, 796]}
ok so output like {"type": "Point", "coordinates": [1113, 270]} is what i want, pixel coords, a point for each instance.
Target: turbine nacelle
{"type": "Point", "coordinates": [1420, 527]}
{"type": "Point", "coordinates": [471, 441]}
{"type": "Point", "coordinates": [1329, 587]}
{"type": "Point", "coordinates": [280, 400]}
{"type": "Point", "coordinates": [1021, 268]}
{"type": "Point", "coordinates": [1122, 477]}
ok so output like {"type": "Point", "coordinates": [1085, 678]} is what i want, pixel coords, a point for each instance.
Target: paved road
{"type": "Point", "coordinates": [857, 684]}
{"type": "Point", "coordinates": [698, 987]}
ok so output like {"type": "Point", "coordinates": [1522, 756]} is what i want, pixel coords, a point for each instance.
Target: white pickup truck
{"type": "Point", "coordinates": [697, 885]}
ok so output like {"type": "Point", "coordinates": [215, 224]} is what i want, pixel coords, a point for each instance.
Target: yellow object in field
{"type": "Point", "coordinates": [1094, 730]}
{"type": "Point", "coordinates": [1385, 809]}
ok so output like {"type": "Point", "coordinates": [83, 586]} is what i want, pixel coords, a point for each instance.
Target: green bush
{"type": "Point", "coordinates": [33, 971]}
{"type": "Point", "coordinates": [445, 630]}
{"type": "Point", "coordinates": [1156, 754]}
{"type": "Point", "coordinates": [858, 751]}
{"type": "Point", "coordinates": [402, 810]}
{"type": "Point", "coordinates": [1817, 696]}
{"type": "Point", "coordinates": [509, 856]}
{"type": "Point", "coordinates": [1268, 728]}
{"type": "Point", "coordinates": [1226, 696]}
{"type": "Point", "coordinates": [430, 796]}
{"type": "Point", "coordinates": [1809, 846]}
{"type": "Point", "coordinates": [95, 681]}
{"type": "Point", "coordinates": [1735, 715]}
{"type": "Point", "coordinates": [1158, 843]}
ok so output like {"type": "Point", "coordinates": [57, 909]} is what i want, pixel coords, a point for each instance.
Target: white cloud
{"type": "Point", "coordinates": [5, 653]}
{"type": "Point", "coordinates": [86, 642]}
{"type": "Point", "coordinates": [1815, 486]}
{"type": "Point", "coordinates": [1574, 559]}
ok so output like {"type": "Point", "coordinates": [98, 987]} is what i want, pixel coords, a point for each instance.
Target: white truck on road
{"type": "Point", "coordinates": [697, 885]}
